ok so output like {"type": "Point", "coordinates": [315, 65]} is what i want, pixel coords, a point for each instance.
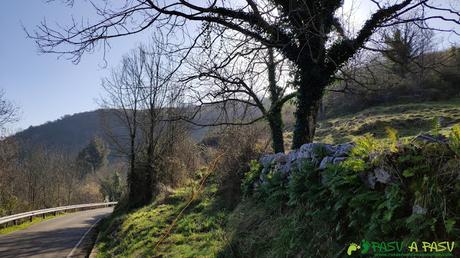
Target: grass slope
{"type": "Point", "coordinates": [198, 232]}
{"type": "Point", "coordinates": [408, 119]}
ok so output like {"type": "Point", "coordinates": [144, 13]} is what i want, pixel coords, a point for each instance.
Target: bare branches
{"type": "Point", "coordinates": [77, 38]}
{"type": "Point", "coordinates": [342, 50]}
{"type": "Point", "coordinates": [307, 33]}
{"type": "Point", "coordinates": [8, 111]}
{"type": "Point", "coordinates": [258, 20]}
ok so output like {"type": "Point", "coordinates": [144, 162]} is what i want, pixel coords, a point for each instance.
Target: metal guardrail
{"type": "Point", "coordinates": [30, 214]}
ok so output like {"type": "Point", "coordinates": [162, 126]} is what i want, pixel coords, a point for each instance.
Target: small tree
{"type": "Point", "coordinates": [123, 97]}
{"type": "Point", "coordinates": [405, 46]}
{"type": "Point", "coordinates": [143, 94]}
{"type": "Point", "coordinates": [93, 156]}
{"type": "Point", "coordinates": [112, 188]}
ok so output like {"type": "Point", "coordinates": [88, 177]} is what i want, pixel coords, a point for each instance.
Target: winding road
{"type": "Point", "coordinates": [62, 236]}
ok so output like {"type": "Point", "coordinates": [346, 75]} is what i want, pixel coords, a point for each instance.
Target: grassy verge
{"type": "Point", "coordinates": [27, 224]}
{"type": "Point", "coordinates": [198, 233]}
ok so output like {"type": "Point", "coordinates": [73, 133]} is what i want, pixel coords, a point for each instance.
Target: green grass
{"type": "Point", "coordinates": [198, 233]}
{"type": "Point", "coordinates": [27, 224]}
{"type": "Point", "coordinates": [407, 119]}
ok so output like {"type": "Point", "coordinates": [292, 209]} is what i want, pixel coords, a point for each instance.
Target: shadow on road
{"type": "Point", "coordinates": [45, 240]}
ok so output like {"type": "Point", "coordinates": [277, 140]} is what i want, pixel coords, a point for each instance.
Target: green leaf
{"type": "Point", "coordinates": [408, 173]}
{"type": "Point", "coordinates": [449, 224]}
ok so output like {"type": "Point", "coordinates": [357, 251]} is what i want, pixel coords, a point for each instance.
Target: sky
{"type": "Point", "coordinates": [46, 87]}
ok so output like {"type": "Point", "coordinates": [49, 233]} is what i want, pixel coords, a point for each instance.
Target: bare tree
{"type": "Point", "coordinates": [123, 96]}
{"type": "Point", "coordinates": [142, 92]}
{"type": "Point", "coordinates": [8, 111]}
{"type": "Point", "coordinates": [308, 33]}
{"type": "Point", "coordinates": [160, 97]}
{"type": "Point", "coordinates": [243, 90]}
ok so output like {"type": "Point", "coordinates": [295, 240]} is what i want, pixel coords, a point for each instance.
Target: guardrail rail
{"type": "Point", "coordinates": [16, 218]}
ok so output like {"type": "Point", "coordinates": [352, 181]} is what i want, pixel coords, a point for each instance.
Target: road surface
{"type": "Point", "coordinates": [57, 237]}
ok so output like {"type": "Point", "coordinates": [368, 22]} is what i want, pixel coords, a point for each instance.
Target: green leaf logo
{"type": "Point", "coordinates": [353, 247]}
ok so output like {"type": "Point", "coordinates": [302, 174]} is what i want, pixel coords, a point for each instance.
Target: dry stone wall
{"type": "Point", "coordinates": [319, 154]}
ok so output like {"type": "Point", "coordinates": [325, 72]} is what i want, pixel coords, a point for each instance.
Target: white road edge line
{"type": "Point", "coordinates": [82, 238]}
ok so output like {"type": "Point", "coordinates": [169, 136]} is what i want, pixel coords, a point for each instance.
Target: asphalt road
{"type": "Point", "coordinates": [57, 237]}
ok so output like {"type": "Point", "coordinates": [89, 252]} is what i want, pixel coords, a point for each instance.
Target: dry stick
{"type": "Point", "coordinates": [192, 198]}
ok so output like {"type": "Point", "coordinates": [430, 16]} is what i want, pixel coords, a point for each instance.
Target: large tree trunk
{"type": "Point", "coordinates": [276, 128]}
{"type": "Point", "coordinates": [274, 117]}
{"type": "Point", "coordinates": [132, 176]}
{"type": "Point", "coordinates": [150, 169]}
{"type": "Point", "coordinates": [311, 86]}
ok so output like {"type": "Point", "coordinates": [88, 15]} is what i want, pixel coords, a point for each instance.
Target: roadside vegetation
{"type": "Point", "coordinates": [24, 225]}
{"type": "Point", "coordinates": [314, 214]}
{"type": "Point", "coordinates": [199, 231]}
{"type": "Point", "coordinates": [317, 213]}
{"type": "Point", "coordinates": [34, 177]}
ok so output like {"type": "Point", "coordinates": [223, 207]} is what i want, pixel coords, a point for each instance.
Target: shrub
{"type": "Point", "coordinates": [273, 190]}
{"type": "Point", "coordinates": [454, 140]}
{"type": "Point", "coordinates": [299, 183]}
{"type": "Point", "coordinates": [321, 151]}
{"type": "Point", "coordinates": [356, 164]}
{"type": "Point", "coordinates": [327, 209]}
{"type": "Point", "coordinates": [251, 177]}
{"type": "Point", "coordinates": [239, 145]}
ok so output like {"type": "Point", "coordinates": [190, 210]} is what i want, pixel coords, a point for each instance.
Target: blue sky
{"type": "Point", "coordinates": [45, 87]}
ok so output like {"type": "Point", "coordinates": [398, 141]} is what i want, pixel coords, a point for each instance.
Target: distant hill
{"type": "Point", "coordinates": [69, 133]}
{"type": "Point", "coordinates": [73, 132]}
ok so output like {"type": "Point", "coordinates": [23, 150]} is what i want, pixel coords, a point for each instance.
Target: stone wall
{"type": "Point", "coordinates": [320, 154]}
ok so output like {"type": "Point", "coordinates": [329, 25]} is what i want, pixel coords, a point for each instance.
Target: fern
{"type": "Point", "coordinates": [392, 135]}
{"type": "Point", "coordinates": [299, 183]}
{"type": "Point", "coordinates": [436, 123]}
{"type": "Point", "coordinates": [251, 177]}
{"type": "Point", "coordinates": [366, 145]}
{"type": "Point", "coordinates": [454, 140]}
{"type": "Point", "coordinates": [320, 151]}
